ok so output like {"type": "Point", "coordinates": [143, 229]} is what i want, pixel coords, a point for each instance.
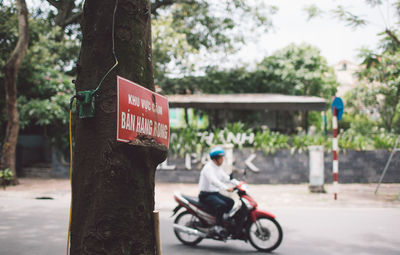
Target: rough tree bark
{"type": "Point", "coordinates": [7, 159]}
{"type": "Point", "coordinates": [112, 182]}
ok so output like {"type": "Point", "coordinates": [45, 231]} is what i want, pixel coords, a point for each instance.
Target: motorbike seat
{"type": "Point", "coordinates": [195, 201]}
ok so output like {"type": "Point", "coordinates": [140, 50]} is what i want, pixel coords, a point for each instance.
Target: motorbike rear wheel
{"type": "Point", "coordinates": [187, 219]}
{"type": "Point", "coordinates": [265, 234]}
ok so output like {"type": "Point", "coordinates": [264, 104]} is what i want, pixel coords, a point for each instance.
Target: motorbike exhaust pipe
{"type": "Point", "coordinates": [189, 231]}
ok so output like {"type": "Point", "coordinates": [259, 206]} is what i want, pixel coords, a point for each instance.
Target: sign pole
{"type": "Point", "coordinates": [335, 146]}
{"type": "Point", "coordinates": [337, 112]}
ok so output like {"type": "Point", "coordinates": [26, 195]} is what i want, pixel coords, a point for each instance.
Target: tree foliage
{"type": "Point", "coordinates": [299, 70]}
{"type": "Point", "coordinates": [8, 38]}
{"type": "Point", "coordinates": [378, 94]}
{"type": "Point", "coordinates": [8, 32]}
{"type": "Point", "coordinates": [194, 28]}
{"type": "Point", "coordinates": [293, 70]}
{"type": "Point", "coordinates": [356, 20]}
{"type": "Point", "coordinates": [182, 28]}
{"type": "Point", "coordinates": [381, 86]}
{"type": "Point", "coordinates": [44, 86]}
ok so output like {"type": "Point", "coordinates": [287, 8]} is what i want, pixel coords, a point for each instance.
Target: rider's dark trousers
{"type": "Point", "coordinates": [219, 203]}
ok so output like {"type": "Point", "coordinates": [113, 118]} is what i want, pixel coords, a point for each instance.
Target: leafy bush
{"type": "Point", "coordinates": [384, 140]}
{"type": "Point", "coordinates": [237, 128]}
{"type": "Point", "coordinates": [190, 140]}
{"type": "Point", "coordinates": [300, 143]}
{"type": "Point", "coordinates": [6, 176]}
{"type": "Point", "coordinates": [360, 123]}
{"type": "Point", "coordinates": [270, 142]}
{"type": "Point", "coordinates": [350, 139]}
{"type": "Point", "coordinates": [50, 113]}
{"type": "Point", "coordinates": [186, 140]}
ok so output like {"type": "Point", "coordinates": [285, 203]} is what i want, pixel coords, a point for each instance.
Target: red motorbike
{"type": "Point", "coordinates": [244, 222]}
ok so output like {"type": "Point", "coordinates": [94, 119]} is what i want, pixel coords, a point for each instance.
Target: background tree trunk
{"type": "Point", "coordinates": [10, 76]}
{"type": "Point", "coordinates": [113, 183]}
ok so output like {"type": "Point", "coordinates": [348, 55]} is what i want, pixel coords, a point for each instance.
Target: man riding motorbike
{"type": "Point", "coordinates": [214, 217]}
{"type": "Point", "coordinates": [213, 179]}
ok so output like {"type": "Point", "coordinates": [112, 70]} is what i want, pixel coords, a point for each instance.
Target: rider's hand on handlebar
{"type": "Point", "coordinates": [230, 189]}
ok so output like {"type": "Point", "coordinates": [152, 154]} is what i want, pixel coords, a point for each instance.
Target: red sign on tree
{"type": "Point", "coordinates": [141, 111]}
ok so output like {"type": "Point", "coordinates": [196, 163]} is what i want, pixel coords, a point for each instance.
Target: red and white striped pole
{"type": "Point", "coordinates": [335, 146]}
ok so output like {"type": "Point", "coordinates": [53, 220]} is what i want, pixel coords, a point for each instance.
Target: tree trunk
{"type": "Point", "coordinates": [10, 76]}
{"type": "Point", "coordinates": [113, 182]}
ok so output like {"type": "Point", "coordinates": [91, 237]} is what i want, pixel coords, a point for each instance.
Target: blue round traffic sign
{"type": "Point", "coordinates": [338, 104]}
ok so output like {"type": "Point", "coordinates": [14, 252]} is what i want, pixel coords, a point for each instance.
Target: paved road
{"type": "Point", "coordinates": [33, 227]}
{"type": "Point", "coordinates": [38, 227]}
{"type": "Point", "coordinates": [314, 231]}
{"type": "Point", "coordinates": [29, 226]}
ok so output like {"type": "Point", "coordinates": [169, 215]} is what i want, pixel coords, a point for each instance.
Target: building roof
{"type": "Point", "coordinates": [248, 102]}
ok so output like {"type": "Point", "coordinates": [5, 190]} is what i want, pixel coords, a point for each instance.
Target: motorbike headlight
{"type": "Point", "coordinates": [244, 187]}
{"type": "Point", "coordinates": [247, 203]}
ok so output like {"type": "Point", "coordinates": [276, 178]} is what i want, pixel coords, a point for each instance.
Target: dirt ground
{"type": "Point", "coordinates": [288, 195]}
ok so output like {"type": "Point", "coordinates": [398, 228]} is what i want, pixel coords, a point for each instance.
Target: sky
{"type": "Point", "coordinates": [335, 40]}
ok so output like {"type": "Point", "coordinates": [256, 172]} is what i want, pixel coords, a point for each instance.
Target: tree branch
{"type": "Point", "coordinates": [393, 36]}
{"type": "Point", "coordinates": [162, 3]}
{"type": "Point", "coordinates": [73, 19]}
{"type": "Point", "coordinates": [54, 3]}
{"type": "Point", "coordinates": [157, 4]}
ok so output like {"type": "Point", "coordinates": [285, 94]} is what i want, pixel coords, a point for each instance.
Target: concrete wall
{"type": "Point", "coordinates": [281, 167]}
{"type": "Point", "coordinates": [286, 168]}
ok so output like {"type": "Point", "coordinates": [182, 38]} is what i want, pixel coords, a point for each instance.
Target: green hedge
{"type": "Point", "coordinates": [188, 140]}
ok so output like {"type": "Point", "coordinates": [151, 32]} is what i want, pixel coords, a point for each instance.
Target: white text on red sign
{"type": "Point", "coordinates": [141, 111]}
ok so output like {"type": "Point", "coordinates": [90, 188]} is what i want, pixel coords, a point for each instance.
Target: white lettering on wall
{"type": "Point", "coordinates": [238, 139]}
{"type": "Point", "coordinates": [202, 158]}
{"type": "Point", "coordinates": [249, 138]}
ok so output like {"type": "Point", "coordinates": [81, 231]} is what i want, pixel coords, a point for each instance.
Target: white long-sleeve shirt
{"type": "Point", "coordinates": [213, 178]}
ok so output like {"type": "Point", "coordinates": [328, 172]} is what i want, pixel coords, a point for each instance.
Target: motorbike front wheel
{"type": "Point", "coordinates": [265, 234]}
{"type": "Point", "coordinates": [187, 219]}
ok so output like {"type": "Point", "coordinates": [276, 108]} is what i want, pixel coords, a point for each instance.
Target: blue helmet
{"type": "Point", "coordinates": [217, 151]}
